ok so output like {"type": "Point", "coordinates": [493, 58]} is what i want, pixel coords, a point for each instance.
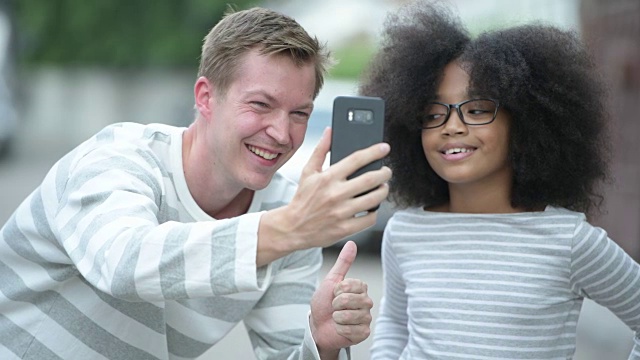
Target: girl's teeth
{"type": "Point", "coordinates": [457, 150]}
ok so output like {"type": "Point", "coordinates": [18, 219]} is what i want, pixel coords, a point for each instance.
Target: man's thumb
{"type": "Point", "coordinates": [319, 154]}
{"type": "Point", "coordinates": [343, 263]}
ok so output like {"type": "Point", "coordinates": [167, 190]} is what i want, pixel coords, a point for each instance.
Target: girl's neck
{"type": "Point", "coordinates": [481, 199]}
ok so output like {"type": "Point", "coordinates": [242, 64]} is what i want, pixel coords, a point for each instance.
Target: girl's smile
{"type": "Point", "coordinates": [455, 151]}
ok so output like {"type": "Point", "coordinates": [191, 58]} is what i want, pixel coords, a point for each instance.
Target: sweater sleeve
{"type": "Point", "coordinates": [602, 271]}
{"type": "Point", "coordinates": [105, 209]}
{"type": "Point", "coordinates": [280, 320]}
{"type": "Point", "coordinates": [390, 332]}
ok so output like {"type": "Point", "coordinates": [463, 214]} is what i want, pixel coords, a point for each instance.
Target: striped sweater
{"type": "Point", "coordinates": [487, 286]}
{"type": "Point", "coordinates": [111, 258]}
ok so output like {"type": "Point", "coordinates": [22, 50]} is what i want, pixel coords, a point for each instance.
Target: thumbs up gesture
{"type": "Point", "coordinates": [340, 308]}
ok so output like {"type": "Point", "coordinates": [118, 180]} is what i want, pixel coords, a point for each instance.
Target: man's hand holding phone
{"type": "Point", "coordinates": [323, 210]}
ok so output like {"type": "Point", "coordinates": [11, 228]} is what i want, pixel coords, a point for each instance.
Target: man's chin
{"type": "Point", "coordinates": [259, 183]}
{"type": "Point", "coordinates": [261, 180]}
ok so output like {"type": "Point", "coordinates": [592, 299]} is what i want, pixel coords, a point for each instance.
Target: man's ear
{"type": "Point", "coordinates": [203, 92]}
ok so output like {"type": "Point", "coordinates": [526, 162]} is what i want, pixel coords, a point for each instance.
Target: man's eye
{"type": "Point", "coordinates": [300, 116]}
{"type": "Point", "coordinates": [260, 104]}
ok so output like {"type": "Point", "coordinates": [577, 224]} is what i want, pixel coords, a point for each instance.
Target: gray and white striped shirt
{"type": "Point", "coordinates": [497, 286]}
{"type": "Point", "coordinates": [111, 258]}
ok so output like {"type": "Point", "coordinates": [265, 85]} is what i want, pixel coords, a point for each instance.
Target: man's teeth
{"type": "Point", "coordinates": [262, 153]}
{"type": "Point", "coordinates": [457, 150]}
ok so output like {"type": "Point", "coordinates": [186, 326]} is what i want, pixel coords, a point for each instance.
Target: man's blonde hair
{"type": "Point", "coordinates": [269, 31]}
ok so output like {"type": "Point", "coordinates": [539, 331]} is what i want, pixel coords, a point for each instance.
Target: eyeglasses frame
{"type": "Point", "coordinates": [457, 107]}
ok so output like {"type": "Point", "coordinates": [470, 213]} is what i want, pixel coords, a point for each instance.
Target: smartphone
{"type": "Point", "coordinates": [357, 123]}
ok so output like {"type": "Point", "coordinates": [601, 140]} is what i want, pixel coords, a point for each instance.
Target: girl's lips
{"type": "Point", "coordinates": [457, 153]}
{"type": "Point", "coordinates": [457, 149]}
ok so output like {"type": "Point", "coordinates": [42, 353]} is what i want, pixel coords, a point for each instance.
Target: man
{"type": "Point", "coordinates": [152, 242]}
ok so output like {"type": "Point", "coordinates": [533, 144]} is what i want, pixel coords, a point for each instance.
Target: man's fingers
{"type": "Point", "coordinates": [350, 286]}
{"type": "Point", "coordinates": [347, 302]}
{"type": "Point", "coordinates": [368, 181]}
{"type": "Point", "coordinates": [352, 317]}
{"type": "Point", "coordinates": [360, 158]}
{"type": "Point", "coordinates": [369, 200]}
{"type": "Point", "coordinates": [354, 333]}
{"type": "Point", "coordinates": [343, 263]}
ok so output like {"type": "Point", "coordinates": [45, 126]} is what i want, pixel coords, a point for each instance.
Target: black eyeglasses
{"type": "Point", "coordinates": [471, 112]}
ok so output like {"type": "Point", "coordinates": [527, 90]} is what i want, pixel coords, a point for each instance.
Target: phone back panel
{"type": "Point", "coordinates": [357, 123]}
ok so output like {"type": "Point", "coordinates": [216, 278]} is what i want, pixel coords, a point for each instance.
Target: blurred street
{"type": "Point", "coordinates": [601, 336]}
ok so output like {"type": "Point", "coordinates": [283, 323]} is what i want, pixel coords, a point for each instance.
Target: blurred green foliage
{"type": "Point", "coordinates": [352, 59]}
{"type": "Point", "coordinates": [135, 34]}
{"type": "Point", "coordinates": [116, 33]}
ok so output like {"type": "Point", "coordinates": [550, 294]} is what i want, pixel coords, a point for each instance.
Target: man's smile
{"type": "Point", "coordinates": [265, 154]}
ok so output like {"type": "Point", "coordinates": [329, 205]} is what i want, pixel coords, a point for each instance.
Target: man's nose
{"type": "Point", "coordinates": [278, 128]}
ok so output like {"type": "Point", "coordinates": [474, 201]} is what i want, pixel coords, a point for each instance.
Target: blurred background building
{"type": "Point", "coordinates": [612, 28]}
{"type": "Point", "coordinates": [8, 116]}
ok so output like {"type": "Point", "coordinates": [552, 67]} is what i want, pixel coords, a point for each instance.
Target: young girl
{"type": "Point", "coordinates": [499, 150]}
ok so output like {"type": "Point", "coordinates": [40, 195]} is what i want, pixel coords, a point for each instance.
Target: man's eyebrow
{"type": "Point", "coordinates": [261, 93]}
{"type": "Point", "coordinates": [308, 106]}
{"type": "Point", "coordinates": [272, 99]}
